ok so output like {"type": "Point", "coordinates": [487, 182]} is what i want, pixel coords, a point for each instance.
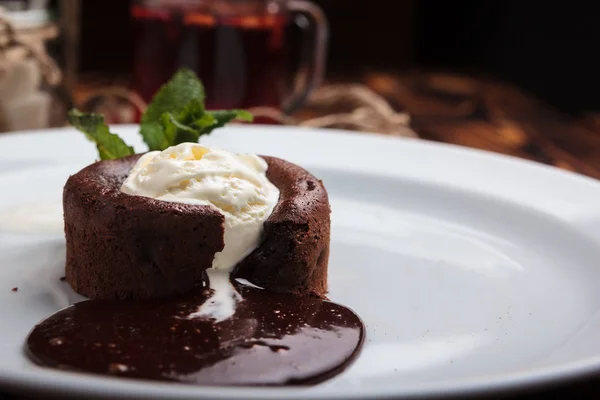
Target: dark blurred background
{"type": "Point", "coordinates": [547, 49]}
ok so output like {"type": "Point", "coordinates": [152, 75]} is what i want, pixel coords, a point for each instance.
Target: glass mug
{"type": "Point", "coordinates": [242, 50]}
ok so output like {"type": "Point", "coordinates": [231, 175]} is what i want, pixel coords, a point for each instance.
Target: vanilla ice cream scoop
{"type": "Point", "coordinates": [234, 184]}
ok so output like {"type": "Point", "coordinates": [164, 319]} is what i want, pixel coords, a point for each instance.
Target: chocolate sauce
{"type": "Point", "coordinates": [273, 339]}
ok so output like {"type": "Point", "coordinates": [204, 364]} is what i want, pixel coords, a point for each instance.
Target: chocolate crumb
{"type": "Point", "coordinates": [63, 278]}
{"type": "Point", "coordinates": [15, 289]}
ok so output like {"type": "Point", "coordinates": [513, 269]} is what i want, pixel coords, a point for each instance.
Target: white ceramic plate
{"type": "Point", "coordinates": [472, 271]}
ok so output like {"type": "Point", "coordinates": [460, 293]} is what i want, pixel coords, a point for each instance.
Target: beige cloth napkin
{"type": "Point", "coordinates": [345, 106]}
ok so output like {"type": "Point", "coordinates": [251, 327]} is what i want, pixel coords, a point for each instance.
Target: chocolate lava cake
{"type": "Point", "coordinates": [121, 246]}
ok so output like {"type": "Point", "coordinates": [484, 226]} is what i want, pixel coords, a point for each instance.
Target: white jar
{"type": "Point", "coordinates": [26, 71]}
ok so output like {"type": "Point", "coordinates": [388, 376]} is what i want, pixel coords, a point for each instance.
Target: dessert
{"type": "Point", "coordinates": [136, 231]}
{"type": "Point", "coordinates": [202, 266]}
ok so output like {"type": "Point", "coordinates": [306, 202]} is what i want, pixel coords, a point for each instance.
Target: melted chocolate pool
{"type": "Point", "coordinates": [273, 339]}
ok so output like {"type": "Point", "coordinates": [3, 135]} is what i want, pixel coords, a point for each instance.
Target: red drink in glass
{"type": "Point", "coordinates": [241, 50]}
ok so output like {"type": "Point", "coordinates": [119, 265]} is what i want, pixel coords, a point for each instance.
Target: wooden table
{"type": "Point", "coordinates": [489, 115]}
{"type": "Point", "coordinates": [484, 114]}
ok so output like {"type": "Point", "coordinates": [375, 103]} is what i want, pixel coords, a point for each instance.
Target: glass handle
{"type": "Point", "coordinates": [312, 67]}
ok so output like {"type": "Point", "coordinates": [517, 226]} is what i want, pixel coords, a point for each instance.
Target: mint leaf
{"type": "Point", "coordinates": [110, 145]}
{"type": "Point", "coordinates": [186, 126]}
{"type": "Point", "coordinates": [193, 121]}
{"type": "Point", "coordinates": [173, 97]}
{"type": "Point", "coordinates": [181, 132]}
{"type": "Point", "coordinates": [155, 136]}
{"type": "Point", "coordinates": [223, 117]}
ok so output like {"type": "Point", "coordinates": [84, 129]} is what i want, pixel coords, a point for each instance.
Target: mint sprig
{"type": "Point", "coordinates": [176, 115]}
